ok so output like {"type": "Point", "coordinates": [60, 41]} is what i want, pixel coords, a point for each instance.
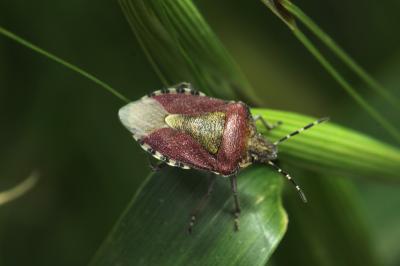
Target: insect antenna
{"type": "Point", "coordinates": [288, 177]}
{"type": "Point", "coordinates": [294, 133]}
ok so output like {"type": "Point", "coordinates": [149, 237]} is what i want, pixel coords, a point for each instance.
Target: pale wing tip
{"type": "Point", "coordinates": [123, 115]}
{"type": "Point", "coordinates": [143, 116]}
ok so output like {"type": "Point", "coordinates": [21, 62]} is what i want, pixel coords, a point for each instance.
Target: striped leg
{"type": "Point", "coordinates": [294, 133]}
{"type": "Point", "coordinates": [267, 125]}
{"type": "Point", "coordinates": [233, 180]}
{"type": "Point", "coordinates": [288, 177]}
{"type": "Point", "coordinates": [201, 204]}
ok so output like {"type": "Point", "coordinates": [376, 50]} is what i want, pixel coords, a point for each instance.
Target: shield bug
{"type": "Point", "coordinates": [184, 128]}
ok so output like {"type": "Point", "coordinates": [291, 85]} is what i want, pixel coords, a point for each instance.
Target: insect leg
{"type": "Point", "coordinates": [233, 180]}
{"type": "Point", "coordinates": [288, 177]}
{"type": "Point", "coordinates": [183, 85]}
{"type": "Point", "coordinates": [154, 166]}
{"type": "Point", "coordinates": [267, 125]}
{"type": "Point", "coordinates": [201, 204]}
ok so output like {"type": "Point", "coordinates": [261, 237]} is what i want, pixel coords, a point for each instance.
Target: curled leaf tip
{"type": "Point", "coordinates": [20, 189]}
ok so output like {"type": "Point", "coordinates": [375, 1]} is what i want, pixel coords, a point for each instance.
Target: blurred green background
{"type": "Point", "coordinates": [57, 122]}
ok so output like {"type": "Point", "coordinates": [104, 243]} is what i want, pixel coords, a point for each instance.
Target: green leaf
{"type": "Point", "coordinates": [153, 229]}
{"type": "Point", "coordinates": [181, 47]}
{"type": "Point", "coordinates": [330, 147]}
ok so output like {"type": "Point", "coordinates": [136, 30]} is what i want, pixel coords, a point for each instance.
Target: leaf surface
{"type": "Point", "coordinates": [331, 147]}
{"type": "Point", "coordinates": [153, 229]}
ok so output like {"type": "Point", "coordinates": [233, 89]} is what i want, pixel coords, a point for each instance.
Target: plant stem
{"type": "Point", "coordinates": [350, 90]}
{"type": "Point", "coordinates": [66, 64]}
{"type": "Point", "coordinates": [336, 49]}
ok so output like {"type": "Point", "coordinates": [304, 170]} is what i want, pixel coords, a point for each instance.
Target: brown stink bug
{"type": "Point", "coordinates": [184, 128]}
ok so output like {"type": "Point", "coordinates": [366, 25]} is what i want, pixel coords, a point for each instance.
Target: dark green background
{"type": "Point", "coordinates": [57, 122]}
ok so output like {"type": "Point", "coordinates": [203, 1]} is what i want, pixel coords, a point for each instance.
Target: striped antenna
{"type": "Point", "coordinates": [294, 133]}
{"type": "Point", "coordinates": [288, 177]}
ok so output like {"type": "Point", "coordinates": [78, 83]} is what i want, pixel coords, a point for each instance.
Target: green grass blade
{"type": "Point", "coordinates": [288, 19]}
{"type": "Point", "coordinates": [337, 50]}
{"type": "Point", "coordinates": [181, 47]}
{"type": "Point", "coordinates": [276, 7]}
{"type": "Point", "coordinates": [346, 85]}
{"type": "Point", "coordinates": [330, 147]}
{"type": "Point", "coordinates": [152, 231]}
{"type": "Point", "coordinates": [62, 62]}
